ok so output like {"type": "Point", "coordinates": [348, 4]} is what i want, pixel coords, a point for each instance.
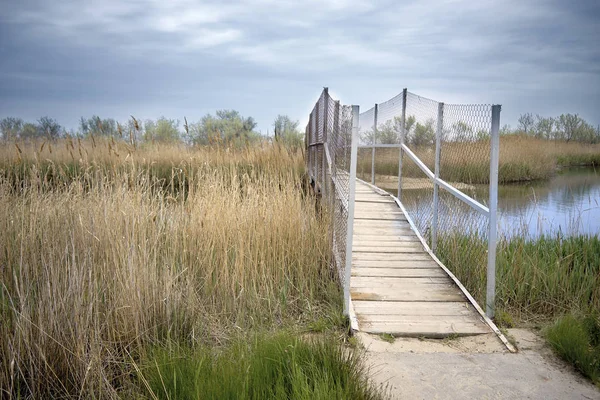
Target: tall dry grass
{"type": "Point", "coordinates": [522, 158]}
{"type": "Point", "coordinates": [120, 248]}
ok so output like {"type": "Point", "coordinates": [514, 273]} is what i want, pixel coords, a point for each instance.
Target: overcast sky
{"type": "Point", "coordinates": [176, 58]}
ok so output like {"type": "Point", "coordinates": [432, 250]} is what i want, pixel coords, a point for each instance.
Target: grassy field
{"type": "Point", "coordinates": [521, 159]}
{"type": "Point", "coordinates": [111, 253]}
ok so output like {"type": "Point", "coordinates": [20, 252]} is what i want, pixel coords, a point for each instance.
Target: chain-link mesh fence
{"type": "Point", "coordinates": [449, 142]}
{"type": "Point", "coordinates": [329, 142]}
{"type": "Point", "coordinates": [457, 232]}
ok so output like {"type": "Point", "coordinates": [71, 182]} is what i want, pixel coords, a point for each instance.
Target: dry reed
{"type": "Point", "coordinates": [99, 261]}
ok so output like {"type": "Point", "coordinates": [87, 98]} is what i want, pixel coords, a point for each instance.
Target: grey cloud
{"type": "Point", "coordinates": [272, 56]}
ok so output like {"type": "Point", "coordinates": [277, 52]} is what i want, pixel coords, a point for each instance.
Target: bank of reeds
{"type": "Point", "coordinates": [537, 279]}
{"type": "Point", "coordinates": [521, 159]}
{"type": "Point", "coordinates": [105, 252]}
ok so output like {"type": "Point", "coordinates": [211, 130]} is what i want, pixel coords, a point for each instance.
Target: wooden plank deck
{"type": "Point", "coordinates": [396, 286]}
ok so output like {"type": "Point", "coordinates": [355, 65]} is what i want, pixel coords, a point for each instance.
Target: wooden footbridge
{"type": "Point", "coordinates": [393, 282]}
{"type": "Point", "coordinates": [397, 287]}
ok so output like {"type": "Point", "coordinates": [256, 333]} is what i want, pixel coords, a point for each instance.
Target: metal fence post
{"type": "Point", "coordinates": [490, 297]}
{"type": "Point", "coordinates": [373, 149]}
{"type": "Point", "coordinates": [436, 187]}
{"type": "Point", "coordinates": [310, 145]}
{"type": "Point", "coordinates": [325, 175]}
{"type": "Point", "coordinates": [402, 136]}
{"type": "Point", "coordinates": [351, 198]}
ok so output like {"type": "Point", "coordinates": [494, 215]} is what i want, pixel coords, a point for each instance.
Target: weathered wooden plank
{"type": "Point", "coordinates": [420, 319]}
{"type": "Point", "coordinates": [416, 248]}
{"type": "Point", "coordinates": [379, 216]}
{"type": "Point", "coordinates": [384, 231]}
{"type": "Point", "coordinates": [390, 294]}
{"type": "Point", "coordinates": [381, 283]}
{"type": "Point", "coordinates": [381, 223]}
{"type": "Point", "coordinates": [388, 205]}
{"type": "Point", "coordinates": [424, 262]}
{"type": "Point", "coordinates": [386, 238]}
{"type": "Point", "coordinates": [392, 257]}
{"type": "Point", "coordinates": [436, 329]}
{"type": "Point", "coordinates": [398, 272]}
{"type": "Point", "coordinates": [396, 308]}
{"type": "Point", "coordinates": [389, 243]}
{"type": "Point", "coordinates": [361, 281]}
{"type": "Point", "coordinates": [406, 247]}
{"type": "Point", "coordinates": [375, 200]}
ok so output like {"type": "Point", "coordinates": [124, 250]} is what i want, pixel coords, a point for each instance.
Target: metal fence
{"type": "Point", "coordinates": [331, 160]}
{"type": "Point", "coordinates": [440, 160]}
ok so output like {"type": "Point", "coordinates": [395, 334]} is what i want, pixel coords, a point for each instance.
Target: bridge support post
{"type": "Point", "coordinates": [402, 136]}
{"type": "Point", "coordinates": [351, 199]}
{"type": "Point", "coordinates": [374, 140]}
{"type": "Point", "coordinates": [490, 297]}
{"type": "Point", "coordinates": [436, 186]}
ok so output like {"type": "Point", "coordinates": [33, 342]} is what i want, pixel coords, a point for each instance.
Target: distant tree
{"type": "Point", "coordinates": [506, 130]}
{"type": "Point", "coordinates": [226, 125]}
{"type": "Point", "coordinates": [389, 132]}
{"type": "Point", "coordinates": [11, 128]}
{"type": "Point", "coordinates": [482, 134]}
{"type": "Point", "coordinates": [585, 133]}
{"type": "Point", "coordinates": [283, 124]}
{"type": "Point", "coordinates": [544, 127]}
{"type": "Point", "coordinates": [568, 124]}
{"type": "Point", "coordinates": [461, 132]}
{"type": "Point", "coordinates": [424, 134]}
{"type": "Point", "coordinates": [29, 131]}
{"type": "Point", "coordinates": [49, 127]}
{"type": "Point", "coordinates": [386, 133]}
{"type": "Point", "coordinates": [526, 123]}
{"type": "Point", "coordinates": [286, 131]}
{"type": "Point", "coordinates": [410, 123]}
{"type": "Point", "coordinates": [98, 126]}
{"type": "Point", "coordinates": [163, 130]}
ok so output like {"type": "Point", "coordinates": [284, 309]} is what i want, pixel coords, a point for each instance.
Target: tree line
{"type": "Point", "coordinates": [566, 127]}
{"type": "Point", "coordinates": [225, 126]}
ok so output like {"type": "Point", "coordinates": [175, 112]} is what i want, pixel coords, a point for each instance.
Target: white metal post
{"type": "Point", "coordinates": [436, 186]}
{"type": "Point", "coordinates": [490, 297]}
{"type": "Point", "coordinates": [402, 136]}
{"type": "Point", "coordinates": [325, 187]}
{"type": "Point", "coordinates": [351, 198]}
{"type": "Point", "coordinates": [373, 142]}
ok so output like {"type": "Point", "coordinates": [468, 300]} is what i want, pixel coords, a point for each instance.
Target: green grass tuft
{"type": "Point", "coordinates": [281, 366]}
{"type": "Point", "coordinates": [576, 340]}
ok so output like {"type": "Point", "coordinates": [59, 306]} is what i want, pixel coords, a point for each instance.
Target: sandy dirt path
{"type": "Point", "coordinates": [477, 367]}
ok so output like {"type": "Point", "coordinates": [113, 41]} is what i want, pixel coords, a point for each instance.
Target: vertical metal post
{"type": "Point", "coordinates": [309, 142]}
{"type": "Point", "coordinates": [373, 148]}
{"type": "Point", "coordinates": [318, 160]}
{"type": "Point", "coordinates": [490, 297]}
{"type": "Point", "coordinates": [436, 187]}
{"type": "Point", "coordinates": [351, 198]}
{"type": "Point", "coordinates": [402, 136]}
{"type": "Point", "coordinates": [325, 176]}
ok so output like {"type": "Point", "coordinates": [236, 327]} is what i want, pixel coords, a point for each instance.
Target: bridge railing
{"type": "Point", "coordinates": [441, 161]}
{"type": "Point", "coordinates": [331, 141]}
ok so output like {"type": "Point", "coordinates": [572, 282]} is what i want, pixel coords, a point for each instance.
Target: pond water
{"type": "Point", "coordinates": [568, 203]}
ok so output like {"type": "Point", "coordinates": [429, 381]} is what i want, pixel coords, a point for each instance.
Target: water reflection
{"type": "Point", "coordinates": [569, 203]}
